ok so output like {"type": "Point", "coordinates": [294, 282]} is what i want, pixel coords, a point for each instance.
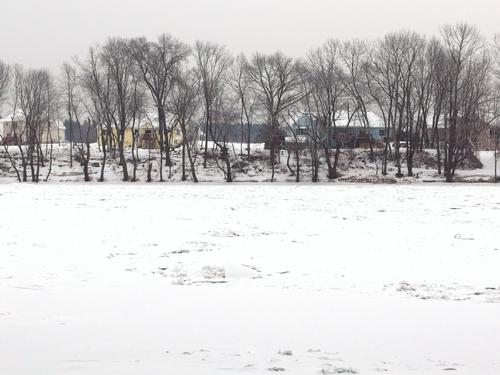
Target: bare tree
{"type": "Point", "coordinates": [18, 128]}
{"type": "Point", "coordinates": [327, 97]}
{"type": "Point", "coordinates": [34, 98]}
{"type": "Point", "coordinates": [467, 68]}
{"type": "Point", "coordinates": [392, 81]}
{"type": "Point", "coordinates": [297, 135]}
{"type": "Point", "coordinates": [80, 110]}
{"type": "Point", "coordinates": [225, 113]}
{"type": "Point", "coordinates": [416, 88]}
{"type": "Point", "coordinates": [68, 87]}
{"type": "Point", "coordinates": [312, 125]}
{"type": "Point", "coordinates": [438, 66]}
{"type": "Point", "coordinates": [51, 119]}
{"type": "Point", "coordinates": [213, 62]}
{"type": "Point", "coordinates": [96, 84]}
{"type": "Point", "coordinates": [5, 78]}
{"type": "Point", "coordinates": [496, 101]}
{"type": "Point", "coordinates": [184, 102]}
{"type": "Point", "coordinates": [355, 54]}
{"type": "Point", "coordinates": [118, 64]}
{"type": "Point", "coordinates": [241, 85]}
{"type": "Point", "coordinates": [277, 85]}
{"type": "Point", "coordinates": [137, 109]}
{"type": "Point", "coordinates": [156, 62]}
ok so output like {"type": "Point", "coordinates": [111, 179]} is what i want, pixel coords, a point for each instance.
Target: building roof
{"type": "Point", "coordinates": [304, 120]}
{"type": "Point", "coordinates": [374, 121]}
{"type": "Point", "coordinates": [151, 119]}
{"type": "Point", "coordinates": [18, 116]}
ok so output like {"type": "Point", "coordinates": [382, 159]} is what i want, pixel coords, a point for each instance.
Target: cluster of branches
{"type": "Point", "coordinates": [431, 92]}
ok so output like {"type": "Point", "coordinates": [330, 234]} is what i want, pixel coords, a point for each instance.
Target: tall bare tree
{"type": "Point", "coordinates": [69, 82]}
{"type": "Point", "coordinates": [34, 97]}
{"type": "Point", "coordinates": [496, 106]}
{"type": "Point", "coordinates": [212, 62]}
{"type": "Point", "coordinates": [96, 85]}
{"type": "Point", "coordinates": [467, 74]}
{"type": "Point", "coordinates": [157, 61]}
{"type": "Point", "coordinates": [392, 83]}
{"type": "Point", "coordinates": [119, 65]}
{"type": "Point", "coordinates": [183, 105]}
{"type": "Point", "coordinates": [355, 54]}
{"type": "Point", "coordinates": [5, 78]}
{"type": "Point", "coordinates": [328, 97]}
{"type": "Point", "coordinates": [241, 85]}
{"type": "Point", "coordinates": [80, 111]}
{"type": "Point", "coordinates": [277, 85]}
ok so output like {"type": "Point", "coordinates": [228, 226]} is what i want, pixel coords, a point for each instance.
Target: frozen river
{"type": "Point", "coordinates": [208, 279]}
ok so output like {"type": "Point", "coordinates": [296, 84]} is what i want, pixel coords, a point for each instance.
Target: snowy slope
{"type": "Point", "coordinates": [354, 166]}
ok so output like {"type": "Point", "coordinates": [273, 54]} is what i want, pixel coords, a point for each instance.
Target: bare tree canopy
{"type": "Point", "coordinates": [4, 80]}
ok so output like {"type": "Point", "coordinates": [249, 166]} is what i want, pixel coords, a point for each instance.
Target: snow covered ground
{"type": "Point", "coordinates": [354, 166]}
{"type": "Point", "coordinates": [259, 279]}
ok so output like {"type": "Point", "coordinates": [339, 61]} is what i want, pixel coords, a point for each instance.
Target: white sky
{"type": "Point", "coordinates": [44, 33]}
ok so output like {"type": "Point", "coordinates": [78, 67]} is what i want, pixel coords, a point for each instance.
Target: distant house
{"type": "Point", "coordinates": [146, 134]}
{"type": "Point", "coordinates": [357, 131]}
{"type": "Point", "coordinates": [352, 132]}
{"type": "Point", "coordinates": [298, 130]}
{"type": "Point", "coordinates": [13, 130]}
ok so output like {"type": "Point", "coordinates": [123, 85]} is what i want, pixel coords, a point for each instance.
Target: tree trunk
{"type": "Point", "coordinates": [123, 161]}
{"type": "Point", "coordinates": [288, 162]}
{"type": "Point", "coordinates": [331, 168]}
{"type": "Point", "coordinates": [335, 162]}
{"type": "Point", "coordinates": [207, 125]}
{"type": "Point", "coordinates": [297, 163]}
{"type": "Point", "coordinates": [168, 159]}
{"type": "Point", "coordinates": [272, 157]}
{"type": "Point", "coordinates": [104, 141]}
{"type": "Point", "coordinates": [248, 139]}
{"type": "Point", "coordinates": [184, 178]}
{"type": "Point", "coordinates": [162, 124]}
{"type": "Point", "coordinates": [496, 161]}
{"type": "Point", "coordinates": [226, 159]}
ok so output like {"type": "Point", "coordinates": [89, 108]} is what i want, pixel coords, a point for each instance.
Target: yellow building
{"type": "Point", "coordinates": [146, 135]}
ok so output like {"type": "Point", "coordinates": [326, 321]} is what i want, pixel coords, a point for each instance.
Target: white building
{"type": "Point", "coordinates": [13, 130]}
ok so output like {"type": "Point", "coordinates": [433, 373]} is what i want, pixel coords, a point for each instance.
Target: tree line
{"type": "Point", "coordinates": [436, 92]}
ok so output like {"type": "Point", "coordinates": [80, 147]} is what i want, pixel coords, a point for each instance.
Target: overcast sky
{"type": "Point", "coordinates": [43, 33]}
